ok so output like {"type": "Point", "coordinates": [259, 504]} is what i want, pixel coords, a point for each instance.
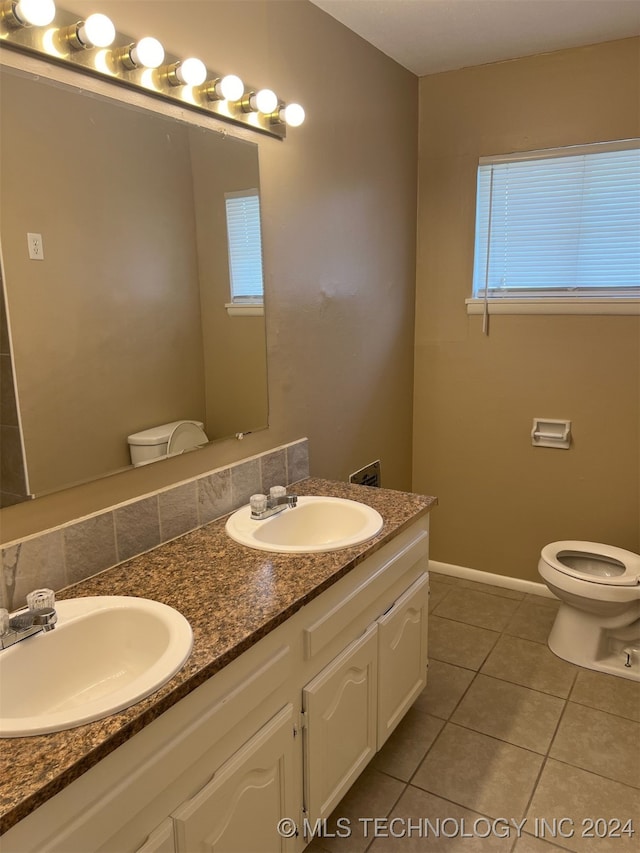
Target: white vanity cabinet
{"type": "Point", "coordinates": [340, 715]}
{"type": "Point", "coordinates": [281, 732]}
{"type": "Point", "coordinates": [240, 808]}
{"type": "Point", "coordinates": [353, 705]}
{"type": "Point", "coordinates": [161, 840]}
{"type": "Point", "coordinates": [402, 656]}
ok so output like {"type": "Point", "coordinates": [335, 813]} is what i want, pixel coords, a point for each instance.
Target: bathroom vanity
{"type": "Point", "coordinates": [302, 666]}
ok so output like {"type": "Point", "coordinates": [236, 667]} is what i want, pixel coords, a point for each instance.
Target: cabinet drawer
{"type": "Point", "coordinates": [341, 615]}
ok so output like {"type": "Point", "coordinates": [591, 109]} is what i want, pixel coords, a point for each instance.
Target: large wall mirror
{"type": "Point", "coordinates": [123, 324]}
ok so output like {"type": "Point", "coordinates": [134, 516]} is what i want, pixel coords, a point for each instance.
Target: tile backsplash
{"type": "Point", "coordinates": [67, 554]}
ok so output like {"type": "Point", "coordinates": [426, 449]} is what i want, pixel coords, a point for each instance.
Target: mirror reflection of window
{"type": "Point", "coordinates": [245, 248]}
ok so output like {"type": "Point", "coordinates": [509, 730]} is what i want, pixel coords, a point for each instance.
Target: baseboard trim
{"type": "Point", "coordinates": [488, 577]}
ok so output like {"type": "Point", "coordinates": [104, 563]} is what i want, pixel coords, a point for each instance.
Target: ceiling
{"type": "Point", "coordinates": [429, 36]}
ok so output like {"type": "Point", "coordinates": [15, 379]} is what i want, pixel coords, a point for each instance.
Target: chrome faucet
{"type": "Point", "coordinates": [39, 615]}
{"type": "Point", "coordinates": [278, 499]}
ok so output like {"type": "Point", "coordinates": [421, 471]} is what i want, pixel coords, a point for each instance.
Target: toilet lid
{"type": "Point", "coordinates": [186, 436]}
{"type": "Point", "coordinates": [594, 562]}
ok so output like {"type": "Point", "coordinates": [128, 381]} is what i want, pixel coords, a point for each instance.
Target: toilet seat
{"type": "Point", "coordinates": [593, 562]}
{"type": "Point", "coordinates": [187, 435]}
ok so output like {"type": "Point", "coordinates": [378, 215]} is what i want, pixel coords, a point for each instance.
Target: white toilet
{"type": "Point", "coordinates": [158, 442]}
{"type": "Point", "coordinates": [598, 623]}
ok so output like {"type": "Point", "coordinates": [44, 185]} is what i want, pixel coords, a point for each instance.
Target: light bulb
{"type": "Point", "coordinates": [266, 101]}
{"type": "Point", "coordinates": [191, 72]}
{"type": "Point", "coordinates": [36, 13]}
{"type": "Point", "coordinates": [293, 114]}
{"type": "Point", "coordinates": [231, 87]}
{"type": "Point", "coordinates": [97, 31]}
{"type": "Point", "coordinates": [148, 52]}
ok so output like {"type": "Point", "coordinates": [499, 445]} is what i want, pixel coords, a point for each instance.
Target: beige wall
{"type": "Point", "coordinates": [475, 396]}
{"type": "Point", "coordinates": [338, 202]}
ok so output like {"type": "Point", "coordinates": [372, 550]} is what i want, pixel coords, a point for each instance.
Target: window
{"type": "Point", "coordinates": [245, 252]}
{"type": "Point", "coordinates": [562, 224]}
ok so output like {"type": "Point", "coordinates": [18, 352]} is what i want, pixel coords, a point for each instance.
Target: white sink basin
{"type": "Point", "coordinates": [315, 524]}
{"type": "Point", "coordinates": [105, 654]}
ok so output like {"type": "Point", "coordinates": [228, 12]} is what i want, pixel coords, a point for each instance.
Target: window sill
{"type": "Point", "coordinates": [570, 305]}
{"type": "Point", "coordinates": [248, 309]}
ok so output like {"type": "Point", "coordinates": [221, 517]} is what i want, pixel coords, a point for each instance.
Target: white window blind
{"type": "Point", "coordinates": [245, 246]}
{"type": "Point", "coordinates": [559, 222]}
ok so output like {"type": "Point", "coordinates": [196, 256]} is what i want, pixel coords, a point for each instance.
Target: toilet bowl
{"type": "Point", "coordinates": [598, 622]}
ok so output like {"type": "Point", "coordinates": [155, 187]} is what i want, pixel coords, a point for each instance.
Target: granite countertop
{"type": "Point", "coordinates": [200, 573]}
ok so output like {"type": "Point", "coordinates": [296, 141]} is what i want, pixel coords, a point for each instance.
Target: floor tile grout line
{"type": "Point", "coordinates": [525, 687]}
{"type": "Point", "coordinates": [478, 812]}
{"type": "Point", "coordinates": [586, 671]}
{"type": "Point", "coordinates": [459, 665]}
{"type": "Point", "coordinates": [478, 586]}
{"type": "Point", "coordinates": [560, 718]}
{"type": "Point", "coordinates": [389, 812]}
{"type": "Point", "coordinates": [604, 710]}
{"type": "Point", "coordinates": [574, 666]}
{"type": "Point", "coordinates": [567, 763]}
{"type": "Point", "coordinates": [456, 803]}
{"type": "Point", "coordinates": [470, 624]}
{"type": "Point", "coordinates": [496, 738]}
{"type": "Point", "coordinates": [500, 678]}
{"type": "Point", "coordinates": [527, 598]}
{"type": "Point", "coordinates": [446, 720]}
{"type": "Point", "coordinates": [432, 744]}
{"type": "Point", "coordinates": [543, 766]}
{"type": "Point", "coordinates": [552, 846]}
{"type": "Point", "coordinates": [483, 592]}
{"type": "Point", "coordinates": [464, 693]}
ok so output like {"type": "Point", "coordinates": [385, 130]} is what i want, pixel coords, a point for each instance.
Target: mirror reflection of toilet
{"type": "Point", "coordinates": [598, 623]}
{"type": "Point", "coordinates": [170, 439]}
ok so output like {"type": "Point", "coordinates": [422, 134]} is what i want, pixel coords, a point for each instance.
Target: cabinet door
{"type": "Point", "coordinates": [160, 840]}
{"type": "Point", "coordinates": [239, 809]}
{"type": "Point", "coordinates": [402, 656]}
{"type": "Point", "coordinates": [340, 724]}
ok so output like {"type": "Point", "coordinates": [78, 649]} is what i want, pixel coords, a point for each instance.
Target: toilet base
{"type": "Point", "coordinates": [580, 638]}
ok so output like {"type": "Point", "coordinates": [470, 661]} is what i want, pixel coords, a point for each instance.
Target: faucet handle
{"type": "Point", "coordinates": [41, 599]}
{"type": "Point", "coordinates": [258, 503]}
{"type": "Point", "coordinates": [276, 492]}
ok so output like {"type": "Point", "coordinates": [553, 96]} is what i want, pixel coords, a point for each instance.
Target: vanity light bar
{"type": "Point", "coordinates": [93, 46]}
{"type": "Point", "coordinates": [96, 31]}
{"type": "Point", "coordinates": [27, 13]}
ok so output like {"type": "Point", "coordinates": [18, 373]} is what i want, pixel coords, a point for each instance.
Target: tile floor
{"type": "Point", "coordinates": [508, 749]}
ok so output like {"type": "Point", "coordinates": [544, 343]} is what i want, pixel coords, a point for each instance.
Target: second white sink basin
{"type": "Point", "coordinates": [315, 524]}
{"type": "Point", "coordinates": [105, 654]}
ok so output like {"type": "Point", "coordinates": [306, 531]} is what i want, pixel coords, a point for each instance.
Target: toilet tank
{"type": "Point", "coordinates": [150, 445]}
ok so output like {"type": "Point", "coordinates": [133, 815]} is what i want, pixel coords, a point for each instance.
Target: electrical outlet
{"type": "Point", "coordinates": [36, 248]}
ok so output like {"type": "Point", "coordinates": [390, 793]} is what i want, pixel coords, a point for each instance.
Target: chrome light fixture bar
{"type": "Point", "coordinates": [94, 47]}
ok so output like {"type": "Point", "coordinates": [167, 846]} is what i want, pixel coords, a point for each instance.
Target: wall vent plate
{"type": "Point", "coordinates": [367, 476]}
